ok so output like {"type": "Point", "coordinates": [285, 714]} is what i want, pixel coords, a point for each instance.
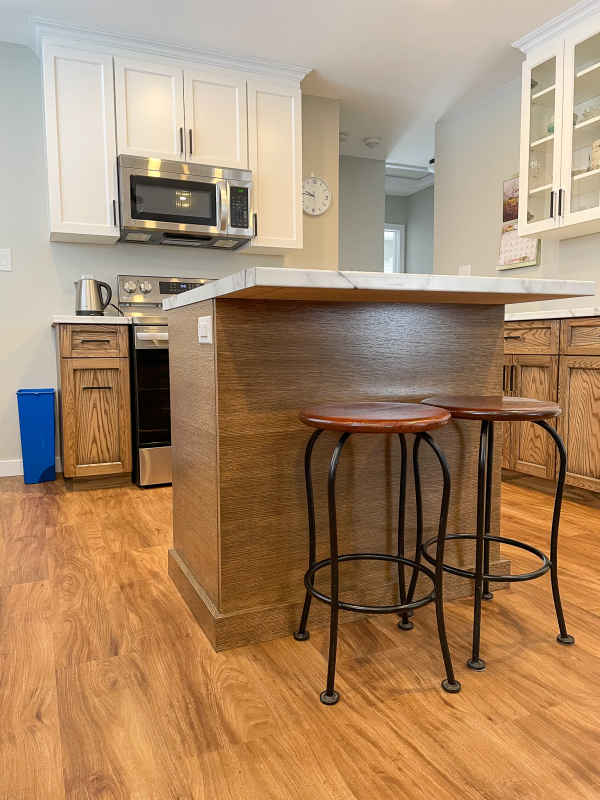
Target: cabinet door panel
{"type": "Point", "coordinates": [541, 137]}
{"type": "Point", "coordinates": [96, 416]}
{"type": "Point", "coordinates": [149, 103]}
{"type": "Point", "coordinates": [534, 451]}
{"type": "Point", "coordinates": [216, 121]}
{"type": "Point", "coordinates": [579, 424]}
{"type": "Point", "coordinates": [80, 145]}
{"type": "Point", "coordinates": [275, 158]}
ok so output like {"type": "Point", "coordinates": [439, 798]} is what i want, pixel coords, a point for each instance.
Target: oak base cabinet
{"type": "Point", "coordinates": [565, 369]}
{"type": "Point", "coordinates": [94, 401]}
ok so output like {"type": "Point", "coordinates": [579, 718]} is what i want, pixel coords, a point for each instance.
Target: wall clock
{"type": "Point", "coordinates": [316, 196]}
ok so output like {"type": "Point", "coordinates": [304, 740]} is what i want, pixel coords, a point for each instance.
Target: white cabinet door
{"type": "Point", "coordinates": [216, 122]}
{"type": "Point", "coordinates": [80, 145]}
{"type": "Point", "coordinates": [149, 105]}
{"type": "Point", "coordinates": [275, 158]}
{"type": "Point", "coordinates": [541, 141]}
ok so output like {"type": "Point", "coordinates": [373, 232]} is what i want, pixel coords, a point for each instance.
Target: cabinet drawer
{"type": "Point", "coordinates": [93, 341]}
{"type": "Point", "coordinates": [580, 337]}
{"type": "Point", "coordinates": [533, 336]}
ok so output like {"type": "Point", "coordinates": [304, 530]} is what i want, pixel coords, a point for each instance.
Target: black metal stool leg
{"type": "Point", "coordinates": [475, 662]}
{"type": "Point", "coordinates": [563, 637]}
{"type": "Point", "coordinates": [404, 623]}
{"type": "Point", "coordinates": [330, 697]}
{"type": "Point", "coordinates": [302, 634]}
{"type": "Point", "coordinates": [419, 516]}
{"type": "Point", "coordinates": [450, 684]}
{"type": "Point", "coordinates": [487, 595]}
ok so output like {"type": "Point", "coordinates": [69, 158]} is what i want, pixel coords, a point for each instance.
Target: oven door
{"type": "Point", "coordinates": [181, 203]}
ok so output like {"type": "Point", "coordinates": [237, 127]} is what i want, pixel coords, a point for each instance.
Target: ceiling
{"type": "Point", "coordinates": [398, 66]}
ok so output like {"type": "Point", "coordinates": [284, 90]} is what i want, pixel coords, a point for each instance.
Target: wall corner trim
{"type": "Point", "coordinates": [41, 28]}
{"type": "Point", "coordinates": [557, 26]}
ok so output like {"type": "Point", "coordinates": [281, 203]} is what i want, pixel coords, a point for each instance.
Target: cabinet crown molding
{"type": "Point", "coordinates": [41, 28]}
{"type": "Point", "coordinates": [557, 26]}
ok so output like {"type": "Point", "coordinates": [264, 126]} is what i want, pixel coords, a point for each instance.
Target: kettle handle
{"type": "Point", "coordinates": [102, 285]}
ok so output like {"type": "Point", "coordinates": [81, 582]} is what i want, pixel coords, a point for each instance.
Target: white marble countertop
{"type": "Point", "coordinates": [560, 313]}
{"type": "Point", "coordinates": [268, 283]}
{"type": "Point", "coordinates": [74, 319]}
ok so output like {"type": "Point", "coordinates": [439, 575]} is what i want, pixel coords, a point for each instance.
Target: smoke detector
{"type": "Point", "coordinates": [372, 141]}
{"type": "Point", "coordinates": [431, 166]}
{"type": "Point", "coordinates": [343, 136]}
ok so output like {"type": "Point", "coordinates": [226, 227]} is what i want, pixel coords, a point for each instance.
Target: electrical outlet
{"type": "Point", "coordinates": [205, 330]}
{"type": "Point", "coordinates": [5, 261]}
{"type": "Point", "coordinates": [465, 271]}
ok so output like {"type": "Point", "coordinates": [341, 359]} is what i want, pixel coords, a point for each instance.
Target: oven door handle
{"type": "Point", "coordinates": [152, 337]}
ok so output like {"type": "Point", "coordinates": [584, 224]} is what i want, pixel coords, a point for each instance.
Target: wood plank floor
{"type": "Point", "coordinates": [109, 690]}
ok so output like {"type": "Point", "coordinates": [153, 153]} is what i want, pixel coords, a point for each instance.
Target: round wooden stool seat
{"type": "Point", "coordinates": [375, 417]}
{"type": "Point", "coordinates": [495, 408]}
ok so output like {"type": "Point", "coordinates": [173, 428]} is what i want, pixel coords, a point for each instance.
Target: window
{"type": "Point", "coordinates": [393, 248]}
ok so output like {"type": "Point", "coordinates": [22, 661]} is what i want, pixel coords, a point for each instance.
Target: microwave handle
{"type": "Point", "coordinates": [222, 206]}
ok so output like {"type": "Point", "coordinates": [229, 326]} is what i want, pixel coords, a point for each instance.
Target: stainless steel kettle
{"type": "Point", "coordinates": [88, 296]}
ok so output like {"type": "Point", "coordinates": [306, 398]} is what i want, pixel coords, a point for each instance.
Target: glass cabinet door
{"type": "Point", "coordinates": [581, 134]}
{"type": "Point", "coordinates": [541, 154]}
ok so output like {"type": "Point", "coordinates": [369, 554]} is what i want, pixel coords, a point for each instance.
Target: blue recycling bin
{"type": "Point", "coordinates": [36, 420]}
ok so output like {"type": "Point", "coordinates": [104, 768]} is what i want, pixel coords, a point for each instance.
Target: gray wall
{"type": "Point", "coordinates": [476, 149]}
{"type": "Point", "coordinates": [41, 283]}
{"type": "Point", "coordinates": [395, 209]}
{"type": "Point", "coordinates": [362, 213]}
{"type": "Point", "coordinates": [416, 212]}
{"type": "Point", "coordinates": [419, 231]}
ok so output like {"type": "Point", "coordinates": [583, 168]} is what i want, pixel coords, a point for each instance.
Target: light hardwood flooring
{"type": "Point", "coordinates": [109, 690]}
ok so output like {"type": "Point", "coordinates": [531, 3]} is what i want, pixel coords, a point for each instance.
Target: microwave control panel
{"type": "Point", "coordinates": [239, 213]}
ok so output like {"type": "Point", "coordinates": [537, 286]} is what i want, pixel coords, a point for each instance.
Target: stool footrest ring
{"type": "Point", "coordinates": [463, 573]}
{"type": "Point", "coordinates": [308, 578]}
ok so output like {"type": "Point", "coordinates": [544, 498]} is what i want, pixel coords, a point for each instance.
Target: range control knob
{"type": "Point", "coordinates": [129, 286]}
{"type": "Point", "coordinates": [145, 287]}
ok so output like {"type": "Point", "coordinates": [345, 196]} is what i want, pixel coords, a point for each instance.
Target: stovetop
{"type": "Point", "coordinates": [140, 296]}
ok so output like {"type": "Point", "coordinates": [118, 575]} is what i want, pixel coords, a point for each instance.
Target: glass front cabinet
{"type": "Point", "coordinates": [560, 133]}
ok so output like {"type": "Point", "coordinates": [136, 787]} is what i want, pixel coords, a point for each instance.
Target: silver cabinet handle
{"type": "Point", "coordinates": [561, 194]}
{"type": "Point", "coordinates": [552, 204]}
{"type": "Point", "coordinates": [180, 141]}
{"type": "Point", "coordinates": [191, 146]}
{"type": "Point", "coordinates": [255, 224]}
{"type": "Point", "coordinates": [115, 212]}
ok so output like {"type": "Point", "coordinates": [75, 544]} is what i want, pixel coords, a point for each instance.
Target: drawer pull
{"type": "Point", "coordinates": [512, 337]}
{"type": "Point", "coordinates": [95, 340]}
{"type": "Point", "coordinates": [97, 387]}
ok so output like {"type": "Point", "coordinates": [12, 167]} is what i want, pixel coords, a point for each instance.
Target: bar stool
{"type": "Point", "coordinates": [503, 409]}
{"type": "Point", "coordinates": [387, 418]}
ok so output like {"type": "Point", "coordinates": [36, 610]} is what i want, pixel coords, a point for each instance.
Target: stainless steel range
{"type": "Point", "coordinates": [140, 297]}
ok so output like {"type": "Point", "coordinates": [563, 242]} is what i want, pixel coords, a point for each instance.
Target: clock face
{"type": "Point", "coordinates": [316, 197]}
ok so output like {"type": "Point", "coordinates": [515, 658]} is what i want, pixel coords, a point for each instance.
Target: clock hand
{"type": "Point", "coordinates": [309, 193]}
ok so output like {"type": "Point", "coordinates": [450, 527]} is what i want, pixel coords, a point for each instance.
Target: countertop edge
{"type": "Point", "coordinates": [73, 319]}
{"type": "Point", "coordinates": [561, 313]}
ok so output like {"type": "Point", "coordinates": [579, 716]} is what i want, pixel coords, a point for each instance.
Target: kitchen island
{"type": "Point", "coordinates": [247, 352]}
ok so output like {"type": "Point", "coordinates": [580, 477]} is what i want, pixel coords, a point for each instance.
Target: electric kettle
{"type": "Point", "coordinates": [88, 297]}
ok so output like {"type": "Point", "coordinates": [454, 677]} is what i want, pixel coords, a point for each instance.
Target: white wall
{"type": "Point", "coordinates": [476, 149]}
{"type": "Point", "coordinates": [395, 209]}
{"type": "Point", "coordinates": [362, 214]}
{"type": "Point", "coordinates": [41, 283]}
{"type": "Point", "coordinates": [420, 231]}
{"type": "Point", "coordinates": [321, 156]}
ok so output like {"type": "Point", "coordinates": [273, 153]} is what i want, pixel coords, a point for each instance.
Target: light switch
{"type": "Point", "coordinates": [5, 261]}
{"type": "Point", "coordinates": [465, 271]}
{"type": "Point", "coordinates": [205, 330]}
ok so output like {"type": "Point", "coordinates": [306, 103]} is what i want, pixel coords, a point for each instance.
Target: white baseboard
{"type": "Point", "coordinates": [15, 467]}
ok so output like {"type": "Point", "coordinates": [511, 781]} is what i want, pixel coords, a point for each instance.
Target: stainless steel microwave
{"type": "Point", "coordinates": [193, 205]}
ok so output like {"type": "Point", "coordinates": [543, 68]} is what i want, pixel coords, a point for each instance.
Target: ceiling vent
{"type": "Point", "coordinates": [372, 141]}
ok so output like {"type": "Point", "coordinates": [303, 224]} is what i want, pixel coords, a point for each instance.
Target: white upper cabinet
{"type": "Point", "coordinates": [560, 133]}
{"type": "Point", "coordinates": [275, 158]}
{"type": "Point", "coordinates": [149, 108]}
{"type": "Point", "coordinates": [80, 145]}
{"type": "Point", "coordinates": [216, 122]}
